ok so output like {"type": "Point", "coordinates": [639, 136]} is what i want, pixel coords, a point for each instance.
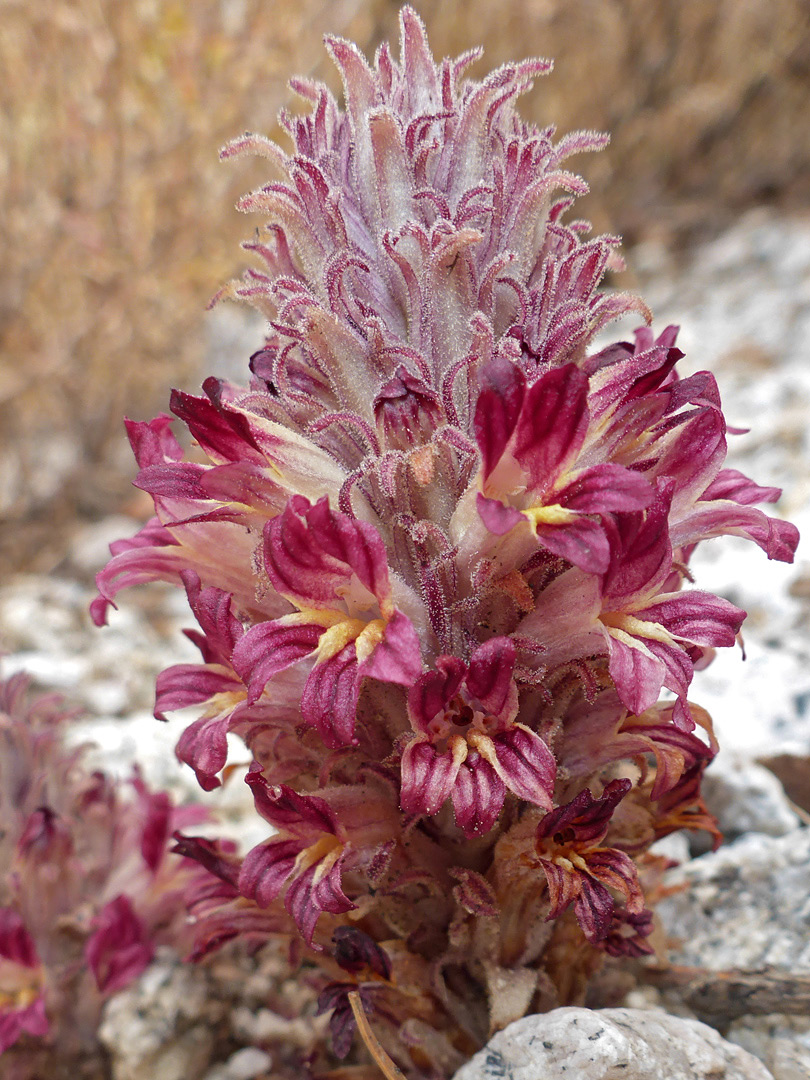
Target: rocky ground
{"type": "Point", "coordinates": [743, 302]}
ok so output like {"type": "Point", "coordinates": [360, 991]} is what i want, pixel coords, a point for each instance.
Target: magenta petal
{"type": "Point", "coordinates": [157, 812]}
{"type": "Point", "coordinates": [329, 700]}
{"type": "Point", "coordinates": [312, 892]}
{"type": "Point", "coordinates": [152, 441]}
{"type": "Point", "coordinates": [678, 665]}
{"type": "Point", "coordinates": [433, 691]}
{"type": "Point", "coordinates": [778, 539]}
{"type": "Point", "coordinates": [311, 551]}
{"type": "Point", "coordinates": [118, 950]}
{"type": "Point", "coordinates": [357, 544]}
{"type": "Point", "coordinates": [286, 809]}
{"type": "Point", "coordinates": [489, 678]}
{"type": "Point", "coordinates": [585, 816]}
{"type": "Point", "coordinates": [180, 480]}
{"type": "Point", "coordinates": [266, 868]}
{"type": "Point", "coordinates": [638, 678]}
{"type": "Point", "coordinates": [478, 795]}
{"type": "Point", "coordinates": [525, 764]}
{"type": "Point", "coordinates": [593, 908]}
{"type": "Point", "coordinates": [617, 870]}
{"type": "Point", "coordinates": [552, 424]}
{"type": "Point", "coordinates": [497, 517]}
{"type": "Point", "coordinates": [269, 648]}
{"type": "Point", "coordinates": [190, 684]}
{"type": "Point", "coordinates": [582, 542]}
{"type": "Point", "coordinates": [427, 778]}
{"type": "Point", "coordinates": [152, 555]}
{"type": "Point", "coordinates": [15, 1022]}
{"type": "Point", "coordinates": [223, 433]}
{"type": "Point", "coordinates": [212, 610]}
{"type": "Point", "coordinates": [398, 657]}
{"type": "Point", "coordinates": [607, 488]}
{"type": "Point", "coordinates": [698, 617]}
{"type": "Point", "coordinates": [16, 944]}
{"type": "Point", "coordinates": [641, 556]}
{"type": "Point", "coordinates": [496, 413]}
{"type": "Point", "coordinates": [734, 485]}
{"type": "Point", "coordinates": [204, 747]}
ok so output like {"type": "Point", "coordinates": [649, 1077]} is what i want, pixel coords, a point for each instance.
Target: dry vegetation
{"type": "Point", "coordinates": [117, 215]}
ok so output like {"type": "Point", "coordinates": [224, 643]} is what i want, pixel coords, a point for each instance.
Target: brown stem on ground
{"type": "Point", "coordinates": [723, 996]}
{"type": "Point", "coordinates": [389, 1069]}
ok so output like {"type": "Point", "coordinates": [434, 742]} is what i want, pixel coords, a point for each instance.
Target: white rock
{"type": "Point", "coordinates": [746, 905]}
{"type": "Point", "coordinates": [746, 798]}
{"type": "Point", "coordinates": [245, 1064]}
{"type": "Point", "coordinates": [162, 1026]}
{"type": "Point", "coordinates": [781, 1042]}
{"type": "Point", "coordinates": [608, 1044]}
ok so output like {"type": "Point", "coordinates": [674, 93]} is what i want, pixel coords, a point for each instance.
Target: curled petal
{"type": "Point", "coordinates": [617, 870]}
{"type": "Point", "coordinates": [697, 617]}
{"type": "Point", "coordinates": [627, 933]}
{"type": "Point", "coordinates": [778, 539]}
{"type": "Point", "coordinates": [585, 819]}
{"type": "Point", "coordinates": [316, 890]}
{"type": "Point", "coordinates": [191, 684]}
{"type": "Point", "coordinates": [641, 553]}
{"type": "Point", "coordinates": [310, 552]}
{"type": "Point", "coordinates": [16, 944]}
{"type": "Point", "coordinates": [607, 488]}
{"type": "Point", "coordinates": [732, 484]}
{"type": "Point", "coordinates": [355, 950]}
{"type": "Point", "coordinates": [580, 539]}
{"type": "Point", "coordinates": [212, 610]}
{"type": "Point", "coordinates": [593, 908]}
{"type": "Point", "coordinates": [203, 746]}
{"type": "Point", "coordinates": [636, 671]}
{"type": "Point", "coordinates": [286, 809]}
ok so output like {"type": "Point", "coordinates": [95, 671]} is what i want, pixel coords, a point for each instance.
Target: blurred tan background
{"type": "Point", "coordinates": [117, 218]}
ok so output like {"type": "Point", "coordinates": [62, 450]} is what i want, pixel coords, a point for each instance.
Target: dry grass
{"type": "Point", "coordinates": [117, 215]}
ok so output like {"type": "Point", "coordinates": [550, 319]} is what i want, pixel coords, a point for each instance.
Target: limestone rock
{"type": "Point", "coordinates": [163, 1025]}
{"type": "Point", "coordinates": [747, 905]}
{"type": "Point", "coordinates": [746, 798]}
{"type": "Point", "coordinates": [781, 1042]}
{"type": "Point", "coordinates": [608, 1044]}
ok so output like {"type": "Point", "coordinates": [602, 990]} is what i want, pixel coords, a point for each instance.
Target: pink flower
{"type": "Point", "coordinates": [579, 870]}
{"type": "Point", "coordinates": [530, 441]}
{"type": "Point", "coordinates": [438, 554]}
{"type": "Point", "coordinates": [318, 838]}
{"type": "Point", "coordinates": [87, 884]}
{"type": "Point", "coordinates": [22, 1000]}
{"type": "Point", "coordinates": [467, 745]}
{"type": "Point", "coordinates": [334, 570]}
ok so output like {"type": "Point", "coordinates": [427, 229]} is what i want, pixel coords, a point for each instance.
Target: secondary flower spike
{"type": "Point", "coordinates": [437, 548]}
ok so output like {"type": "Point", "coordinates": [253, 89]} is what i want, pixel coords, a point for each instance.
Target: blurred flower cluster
{"type": "Point", "coordinates": [88, 888]}
{"type": "Point", "coordinates": [438, 554]}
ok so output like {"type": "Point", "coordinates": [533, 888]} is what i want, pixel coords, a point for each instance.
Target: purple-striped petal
{"type": "Point", "coordinates": [478, 794]}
